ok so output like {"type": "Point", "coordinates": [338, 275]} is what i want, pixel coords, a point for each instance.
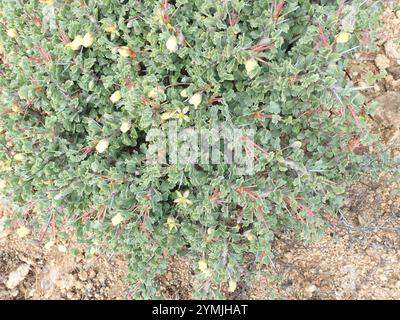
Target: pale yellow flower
{"type": "Point", "coordinates": [203, 265]}
{"type": "Point", "coordinates": [102, 145]}
{"type": "Point", "coordinates": [19, 157]}
{"type": "Point", "coordinates": [117, 219]}
{"type": "Point", "coordinates": [182, 199]}
{"type": "Point", "coordinates": [15, 108]}
{"type": "Point", "coordinates": [172, 44]}
{"type": "Point", "coordinates": [3, 184]}
{"type": "Point", "coordinates": [184, 93]}
{"type": "Point", "coordinates": [171, 223]}
{"type": "Point", "coordinates": [152, 94]}
{"type": "Point", "coordinates": [116, 96]}
{"type": "Point", "coordinates": [181, 115]}
{"type": "Point", "coordinates": [250, 65]}
{"type": "Point", "coordinates": [111, 28]}
{"type": "Point", "coordinates": [76, 44]}
{"type": "Point", "coordinates": [48, 2]}
{"type": "Point", "coordinates": [125, 126]}
{"type": "Point", "coordinates": [87, 40]}
{"type": "Point", "coordinates": [126, 52]}
{"type": "Point", "coordinates": [167, 115]}
{"type": "Point", "coordinates": [232, 286]}
{"type": "Point", "coordinates": [5, 165]}
{"type": "Point", "coordinates": [343, 37]}
{"type": "Point", "coordinates": [195, 100]}
{"type": "Point", "coordinates": [22, 231]}
{"type": "Point", "coordinates": [251, 237]}
{"type": "Point", "coordinates": [12, 33]}
{"type": "Point", "coordinates": [296, 144]}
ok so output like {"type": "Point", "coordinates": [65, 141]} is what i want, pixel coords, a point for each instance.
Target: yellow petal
{"type": "Point", "coordinates": [203, 265]}
{"type": "Point", "coordinates": [3, 184]}
{"type": "Point", "coordinates": [76, 44]}
{"type": "Point", "coordinates": [125, 126]}
{"type": "Point", "coordinates": [116, 96]}
{"type": "Point", "coordinates": [172, 44]}
{"type": "Point", "coordinates": [343, 37]}
{"type": "Point", "coordinates": [22, 231]}
{"type": "Point", "coordinates": [184, 93]}
{"type": "Point", "coordinates": [102, 145]}
{"type": "Point", "coordinates": [19, 157]}
{"type": "Point", "coordinates": [195, 100]}
{"type": "Point", "coordinates": [250, 65]}
{"type": "Point", "coordinates": [152, 94]}
{"type": "Point", "coordinates": [15, 108]}
{"type": "Point", "coordinates": [12, 33]}
{"type": "Point", "coordinates": [48, 2]}
{"type": "Point", "coordinates": [296, 144]}
{"type": "Point", "coordinates": [251, 237]}
{"type": "Point", "coordinates": [117, 219]}
{"type": "Point", "coordinates": [87, 40]}
{"type": "Point", "coordinates": [232, 286]}
{"type": "Point", "coordinates": [111, 28]}
{"type": "Point", "coordinates": [171, 223]}
{"type": "Point", "coordinates": [5, 165]}
{"type": "Point", "coordinates": [126, 52]}
{"type": "Point", "coordinates": [167, 115]}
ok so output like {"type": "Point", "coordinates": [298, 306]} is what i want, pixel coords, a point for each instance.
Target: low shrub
{"type": "Point", "coordinates": [87, 85]}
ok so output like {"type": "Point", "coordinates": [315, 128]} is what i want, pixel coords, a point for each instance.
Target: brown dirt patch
{"type": "Point", "coordinates": [55, 274]}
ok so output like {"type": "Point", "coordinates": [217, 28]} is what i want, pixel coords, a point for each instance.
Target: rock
{"type": "Point", "coordinates": [392, 50]}
{"type": "Point", "coordinates": [382, 62]}
{"type": "Point", "coordinates": [83, 275]}
{"type": "Point", "coordinates": [17, 276]}
{"type": "Point", "coordinates": [79, 285]}
{"type": "Point", "coordinates": [383, 278]}
{"type": "Point", "coordinates": [62, 249]}
{"type": "Point", "coordinates": [388, 111]}
{"type": "Point", "coordinates": [49, 278]}
{"type": "Point", "coordinates": [309, 289]}
{"type": "Point", "coordinates": [14, 293]}
{"type": "Point", "coordinates": [288, 256]}
{"type": "Point", "coordinates": [362, 220]}
{"type": "Point", "coordinates": [101, 278]}
{"type": "Point", "coordinates": [92, 274]}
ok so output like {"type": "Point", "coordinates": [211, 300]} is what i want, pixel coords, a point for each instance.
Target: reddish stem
{"type": "Point", "coordinates": [355, 116]}
{"type": "Point", "coordinates": [232, 19]}
{"type": "Point", "coordinates": [261, 215]}
{"type": "Point", "coordinates": [277, 10]}
{"type": "Point", "coordinates": [340, 9]}
{"type": "Point", "coordinates": [323, 39]}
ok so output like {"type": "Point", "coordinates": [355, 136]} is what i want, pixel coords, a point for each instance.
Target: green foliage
{"type": "Point", "coordinates": [56, 108]}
